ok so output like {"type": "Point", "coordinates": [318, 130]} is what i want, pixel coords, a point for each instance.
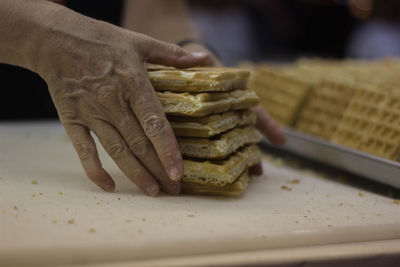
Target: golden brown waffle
{"type": "Point", "coordinates": [383, 138]}
{"type": "Point", "coordinates": [211, 125]}
{"type": "Point", "coordinates": [200, 79]}
{"type": "Point", "coordinates": [359, 116]}
{"type": "Point", "coordinates": [324, 108]}
{"type": "Point", "coordinates": [234, 189]}
{"type": "Point", "coordinates": [221, 172]}
{"type": "Point", "coordinates": [202, 104]}
{"type": "Point", "coordinates": [280, 94]}
{"type": "Point", "coordinates": [219, 146]}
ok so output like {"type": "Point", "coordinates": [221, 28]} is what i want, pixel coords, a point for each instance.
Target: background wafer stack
{"type": "Point", "coordinates": [348, 102]}
{"type": "Point", "coordinates": [208, 109]}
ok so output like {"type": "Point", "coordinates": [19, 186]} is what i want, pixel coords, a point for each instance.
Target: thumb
{"type": "Point", "coordinates": [159, 52]}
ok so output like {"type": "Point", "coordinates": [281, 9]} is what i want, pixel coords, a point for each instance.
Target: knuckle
{"type": "Point", "coordinates": [139, 145]}
{"type": "Point", "coordinates": [153, 124]}
{"type": "Point", "coordinates": [116, 150]}
{"type": "Point", "coordinates": [106, 96]}
{"type": "Point", "coordinates": [84, 150]}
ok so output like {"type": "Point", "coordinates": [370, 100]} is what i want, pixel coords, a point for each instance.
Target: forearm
{"type": "Point", "coordinates": [21, 23]}
{"type": "Point", "coordinates": [165, 20]}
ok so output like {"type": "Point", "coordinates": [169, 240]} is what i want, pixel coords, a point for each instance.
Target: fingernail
{"type": "Point", "coordinates": [152, 190]}
{"type": "Point", "coordinates": [174, 174]}
{"type": "Point", "coordinates": [109, 186]}
{"type": "Point", "coordinates": [199, 54]}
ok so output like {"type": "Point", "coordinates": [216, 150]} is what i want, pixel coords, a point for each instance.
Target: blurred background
{"type": "Point", "coordinates": [238, 30]}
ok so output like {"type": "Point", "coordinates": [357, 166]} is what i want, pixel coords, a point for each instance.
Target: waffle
{"type": "Point", "coordinates": [324, 108]}
{"type": "Point", "coordinates": [219, 146]}
{"type": "Point", "coordinates": [234, 189]}
{"type": "Point", "coordinates": [352, 130]}
{"type": "Point", "coordinates": [280, 94]}
{"type": "Point", "coordinates": [211, 125]}
{"type": "Point", "coordinates": [201, 79]}
{"type": "Point", "coordinates": [383, 138]}
{"type": "Point", "coordinates": [203, 104]}
{"type": "Point", "coordinates": [220, 172]}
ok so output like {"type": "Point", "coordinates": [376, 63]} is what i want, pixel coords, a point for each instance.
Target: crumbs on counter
{"type": "Point", "coordinates": [34, 182]}
{"type": "Point", "coordinates": [119, 198]}
{"type": "Point", "coordinates": [54, 221]}
{"type": "Point", "coordinates": [71, 221]}
{"type": "Point", "coordinates": [360, 194]}
{"type": "Point", "coordinates": [329, 225]}
{"type": "Point", "coordinates": [60, 193]}
{"type": "Point", "coordinates": [284, 187]}
{"type": "Point", "coordinates": [294, 181]}
{"type": "Point", "coordinates": [128, 221]}
{"type": "Point", "coordinates": [191, 215]}
{"type": "Point", "coordinates": [41, 194]}
{"type": "Point", "coordinates": [15, 207]}
{"type": "Point", "coordinates": [92, 230]}
{"type": "Point", "coordinates": [396, 201]}
{"type": "Point", "coordinates": [97, 203]}
{"type": "Point", "coordinates": [143, 219]}
{"type": "Point", "coordinates": [327, 195]}
{"type": "Point", "coordinates": [340, 204]}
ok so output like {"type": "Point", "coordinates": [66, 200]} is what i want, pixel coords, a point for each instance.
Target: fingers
{"type": "Point", "coordinates": [256, 169]}
{"type": "Point", "coordinates": [87, 152]}
{"type": "Point", "coordinates": [156, 127]}
{"type": "Point", "coordinates": [269, 127]}
{"type": "Point", "coordinates": [143, 149]}
{"type": "Point", "coordinates": [122, 156]}
{"type": "Point", "coordinates": [159, 52]}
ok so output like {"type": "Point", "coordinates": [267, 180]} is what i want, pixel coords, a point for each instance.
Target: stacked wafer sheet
{"type": "Point", "coordinates": [348, 102]}
{"type": "Point", "coordinates": [209, 111]}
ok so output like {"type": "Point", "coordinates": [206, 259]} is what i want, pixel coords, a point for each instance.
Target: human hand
{"type": "Point", "coordinates": [98, 81]}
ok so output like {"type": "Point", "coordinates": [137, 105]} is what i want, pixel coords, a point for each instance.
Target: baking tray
{"type": "Point", "coordinates": [363, 164]}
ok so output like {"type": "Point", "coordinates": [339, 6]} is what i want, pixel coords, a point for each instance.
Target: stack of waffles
{"type": "Point", "coordinates": [209, 111]}
{"type": "Point", "coordinates": [351, 103]}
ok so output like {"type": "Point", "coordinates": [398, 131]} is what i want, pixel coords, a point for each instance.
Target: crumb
{"type": "Point", "coordinates": [396, 201]}
{"type": "Point", "coordinates": [329, 225]}
{"type": "Point", "coordinates": [297, 221]}
{"type": "Point", "coordinates": [119, 198]}
{"type": "Point", "coordinates": [128, 221]}
{"type": "Point", "coordinates": [360, 194]}
{"type": "Point", "coordinates": [340, 204]}
{"type": "Point", "coordinates": [54, 221]}
{"type": "Point", "coordinates": [309, 211]}
{"type": "Point", "coordinates": [140, 231]}
{"type": "Point", "coordinates": [305, 216]}
{"type": "Point", "coordinates": [72, 221]}
{"type": "Point", "coordinates": [294, 181]}
{"type": "Point", "coordinates": [284, 187]}
{"type": "Point", "coordinates": [327, 195]}
{"type": "Point", "coordinates": [186, 201]}
{"type": "Point", "coordinates": [97, 203]}
{"type": "Point", "coordinates": [191, 215]}
{"type": "Point", "coordinates": [33, 182]}
{"type": "Point", "coordinates": [307, 193]}
{"type": "Point", "coordinates": [94, 197]}
{"type": "Point", "coordinates": [67, 209]}
{"type": "Point", "coordinates": [92, 230]}
{"type": "Point", "coordinates": [263, 236]}
{"type": "Point", "coordinates": [15, 207]}
{"type": "Point", "coordinates": [41, 194]}
{"type": "Point", "coordinates": [143, 219]}
{"type": "Point", "coordinates": [60, 193]}
{"type": "Point", "coordinates": [378, 214]}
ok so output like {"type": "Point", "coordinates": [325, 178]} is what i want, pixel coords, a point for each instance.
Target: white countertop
{"type": "Point", "coordinates": [48, 205]}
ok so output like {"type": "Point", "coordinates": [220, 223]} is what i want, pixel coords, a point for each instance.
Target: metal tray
{"type": "Point", "coordinates": [366, 165]}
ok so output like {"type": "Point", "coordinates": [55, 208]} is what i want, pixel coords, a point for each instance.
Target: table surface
{"type": "Point", "coordinates": [48, 205]}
